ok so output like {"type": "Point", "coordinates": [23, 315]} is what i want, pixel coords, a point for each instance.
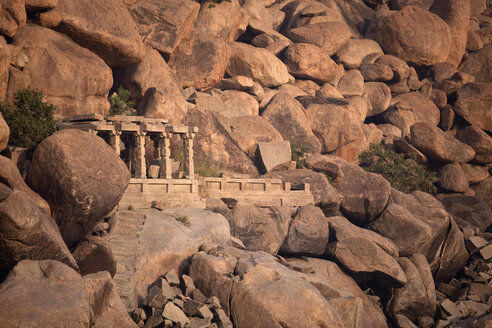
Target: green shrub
{"type": "Point", "coordinates": [298, 154]}
{"type": "Point", "coordinates": [121, 103]}
{"type": "Point", "coordinates": [184, 220]}
{"type": "Point", "coordinates": [30, 119]}
{"type": "Point", "coordinates": [401, 170]}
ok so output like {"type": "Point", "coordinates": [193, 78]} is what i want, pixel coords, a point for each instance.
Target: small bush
{"type": "Point", "coordinates": [184, 220]}
{"type": "Point", "coordinates": [121, 103]}
{"type": "Point", "coordinates": [298, 154]}
{"type": "Point", "coordinates": [30, 119]}
{"type": "Point", "coordinates": [130, 208]}
{"type": "Point", "coordinates": [402, 171]}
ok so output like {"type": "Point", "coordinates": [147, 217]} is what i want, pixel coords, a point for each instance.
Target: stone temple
{"type": "Point", "coordinates": [155, 182]}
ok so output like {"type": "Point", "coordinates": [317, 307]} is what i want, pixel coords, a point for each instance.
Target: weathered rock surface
{"type": "Point", "coordinates": [308, 232]}
{"type": "Point", "coordinates": [53, 61]}
{"type": "Point", "coordinates": [261, 229]}
{"type": "Point", "coordinates": [239, 101]}
{"type": "Point", "coordinates": [288, 116]}
{"type": "Point", "coordinates": [378, 97]}
{"type": "Point", "coordinates": [273, 154]}
{"type": "Point", "coordinates": [479, 65]}
{"type": "Point", "coordinates": [257, 63]}
{"type": "Point", "coordinates": [218, 206]}
{"type": "Point", "coordinates": [4, 67]}
{"type": "Point", "coordinates": [213, 145]}
{"type": "Point", "coordinates": [467, 210]}
{"type": "Point", "coordinates": [474, 103]}
{"type": "Point", "coordinates": [410, 108]}
{"type": "Point", "coordinates": [365, 194]}
{"type": "Point", "coordinates": [159, 104]}
{"type": "Point", "coordinates": [329, 36]}
{"type": "Point", "coordinates": [44, 287]}
{"type": "Point", "coordinates": [336, 285]}
{"type": "Point", "coordinates": [211, 275]}
{"type": "Point", "coordinates": [418, 297]}
{"type": "Point", "coordinates": [423, 219]}
{"type": "Point", "coordinates": [248, 131]}
{"type": "Point", "coordinates": [50, 294]}
{"type": "Point", "coordinates": [163, 243]}
{"type": "Point", "coordinates": [399, 67]}
{"type": "Point", "coordinates": [94, 254]}
{"type": "Point", "coordinates": [483, 191]}
{"type": "Point", "coordinates": [164, 25]}
{"type": "Point", "coordinates": [376, 72]}
{"type": "Point", "coordinates": [11, 177]}
{"type": "Point", "coordinates": [27, 232]}
{"type": "Point", "coordinates": [416, 223]}
{"type": "Point", "coordinates": [480, 141]}
{"type": "Point", "coordinates": [336, 122]}
{"type": "Point", "coordinates": [82, 179]}
{"type": "Point", "coordinates": [453, 255]}
{"type": "Point", "coordinates": [40, 5]}
{"type": "Point", "coordinates": [355, 50]}
{"type": "Point", "coordinates": [4, 133]}
{"type": "Point", "coordinates": [151, 72]}
{"type": "Point", "coordinates": [475, 173]}
{"type": "Point", "coordinates": [272, 41]}
{"type": "Point", "coordinates": [222, 21]}
{"type": "Point", "coordinates": [200, 61]}
{"type": "Point", "coordinates": [104, 27]}
{"type": "Point", "coordinates": [13, 14]}
{"type": "Point", "coordinates": [351, 249]}
{"type": "Point", "coordinates": [280, 296]}
{"type": "Point", "coordinates": [415, 35]}
{"type": "Point", "coordinates": [456, 14]}
{"type": "Point", "coordinates": [325, 196]}
{"type": "Point", "coordinates": [453, 178]}
{"type": "Point", "coordinates": [351, 83]}
{"type": "Point", "coordinates": [307, 61]}
{"type": "Point", "coordinates": [438, 145]}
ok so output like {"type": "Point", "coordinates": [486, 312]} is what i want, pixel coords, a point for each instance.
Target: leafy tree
{"type": "Point", "coordinates": [401, 170]}
{"type": "Point", "coordinates": [298, 154]}
{"type": "Point", "coordinates": [30, 119]}
{"type": "Point", "coordinates": [121, 103]}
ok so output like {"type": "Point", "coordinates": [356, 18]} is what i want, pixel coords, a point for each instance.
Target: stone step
{"type": "Point", "coordinates": [123, 258]}
{"type": "Point", "coordinates": [137, 220]}
{"type": "Point", "coordinates": [123, 240]}
{"type": "Point", "coordinates": [125, 232]}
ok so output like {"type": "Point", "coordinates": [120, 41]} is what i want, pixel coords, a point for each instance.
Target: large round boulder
{"type": "Point", "coordinates": [72, 78]}
{"type": "Point", "coordinates": [456, 13]}
{"type": "Point", "coordinates": [104, 27]}
{"type": "Point", "coordinates": [261, 229]}
{"type": "Point", "coordinates": [82, 179]}
{"type": "Point", "coordinates": [415, 35]}
{"type": "Point", "coordinates": [308, 232]}
{"type": "Point", "coordinates": [27, 232]}
{"type": "Point", "coordinates": [50, 294]}
{"type": "Point", "coordinates": [439, 146]}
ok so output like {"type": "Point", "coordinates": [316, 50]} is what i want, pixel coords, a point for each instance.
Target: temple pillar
{"type": "Point", "coordinates": [115, 141]}
{"type": "Point", "coordinates": [165, 155]}
{"type": "Point", "coordinates": [139, 165]}
{"type": "Point", "coordinates": [189, 166]}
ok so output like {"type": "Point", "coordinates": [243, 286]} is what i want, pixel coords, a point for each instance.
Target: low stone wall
{"type": "Point", "coordinates": [256, 192]}
{"type": "Point", "coordinates": [144, 193]}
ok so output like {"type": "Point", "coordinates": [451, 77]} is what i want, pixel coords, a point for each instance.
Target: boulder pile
{"type": "Point", "coordinates": [265, 82]}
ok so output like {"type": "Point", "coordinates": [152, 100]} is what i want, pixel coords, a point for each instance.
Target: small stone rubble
{"type": "Point", "coordinates": [467, 298]}
{"type": "Point", "coordinates": [176, 303]}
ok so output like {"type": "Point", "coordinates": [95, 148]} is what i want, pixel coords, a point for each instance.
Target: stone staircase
{"type": "Point", "coordinates": [125, 244]}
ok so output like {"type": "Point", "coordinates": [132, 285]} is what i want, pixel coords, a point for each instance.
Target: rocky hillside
{"type": "Point", "coordinates": [333, 77]}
